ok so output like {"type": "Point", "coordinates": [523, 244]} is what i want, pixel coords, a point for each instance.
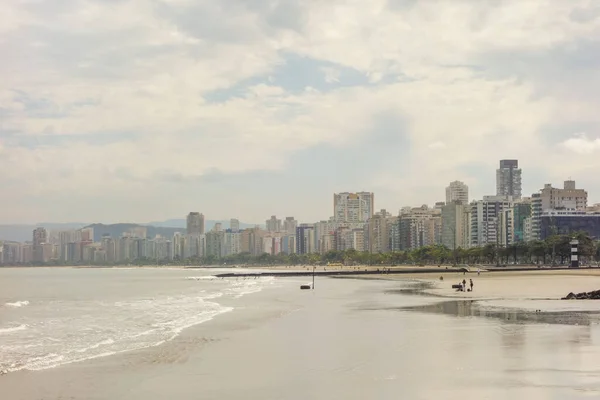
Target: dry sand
{"type": "Point", "coordinates": [543, 284]}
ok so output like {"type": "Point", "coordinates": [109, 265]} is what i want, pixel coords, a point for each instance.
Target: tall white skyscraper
{"type": "Point", "coordinates": [508, 179]}
{"type": "Point", "coordinates": [457, 191]}
{"type": "Point", "coordinates": [353, 207]}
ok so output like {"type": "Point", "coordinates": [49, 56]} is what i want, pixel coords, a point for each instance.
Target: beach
{"type": "Point", "coordinates": [383, 336]}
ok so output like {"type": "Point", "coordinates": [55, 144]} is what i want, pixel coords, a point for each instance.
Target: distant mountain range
{"type": "Point", "coordinates": [23, 233]}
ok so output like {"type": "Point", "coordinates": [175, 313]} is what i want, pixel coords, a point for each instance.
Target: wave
{"type": "Point", "coordinates": [119, 327]}
{"type": "Point", "coordinates": [13, 329]}
{"type": "Point", "coordinates": [17, 304]}
{"type": "Point", "coordinates": [201, 278]}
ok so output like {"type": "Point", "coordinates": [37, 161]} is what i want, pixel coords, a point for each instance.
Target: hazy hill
{"type": "Point", "coordinates": [116, 230]}
{"type": "Point", "coordinates": [23, 233]}
{"type": "Point", "coordinates": [208, 224]}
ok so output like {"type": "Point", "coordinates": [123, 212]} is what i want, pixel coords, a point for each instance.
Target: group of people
{"type": "Point", "coordinates": [463, 285]}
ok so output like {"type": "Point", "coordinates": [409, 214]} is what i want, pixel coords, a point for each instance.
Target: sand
{"type": "Point", "coordinates": [353, 339]}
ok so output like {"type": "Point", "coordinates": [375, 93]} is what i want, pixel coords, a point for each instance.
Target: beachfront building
{"type": "Point", "coordinates": [418, 227]}
{"type": "Point", "coordinates": [567, 222]}
{"type": "Point", "coordinates": [508, 179]}
{"type": "Point", "coordinates": [353, 207]}
{"type": "Point", "coordinates": [273, 224]}
{"type": "Point", "coordinates": [378, 233]}
{"type": "Point", "coordinates": [457, 191]}
{"type": "Point", "coordinates": [550, 198]}
{"type": "Point", "coordinates": [491, 221]}
{"type": "Point", "coordinates": [290, 225]}
{"type": "Point", "coordinates": [305, 239]}
{"type": "Point", "coordinates": [195, 223]}
{"type": "Point", "coordinates": [521, 213]}
{"type": "Point", "coordinates": [455, 225]}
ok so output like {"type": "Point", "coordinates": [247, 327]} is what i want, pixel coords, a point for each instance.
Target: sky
{"type": "Point", "coordinates": [143, 110]}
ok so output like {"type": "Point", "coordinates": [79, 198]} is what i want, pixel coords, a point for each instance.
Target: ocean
{"type": "Point", "coordinates": [151, 334]}
{"type": "Point", "coordinates": [55, 316]}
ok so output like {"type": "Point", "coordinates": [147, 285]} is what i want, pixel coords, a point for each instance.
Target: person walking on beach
{"type": "Point", "coordinates": [471, 282]}
{"type": "Point", "coordinates": [464, 285]}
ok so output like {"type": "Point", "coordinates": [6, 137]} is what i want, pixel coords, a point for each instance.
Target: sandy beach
{"type": "Point", "coordinates": [379, 336]}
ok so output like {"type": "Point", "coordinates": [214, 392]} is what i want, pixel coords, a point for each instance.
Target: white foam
{"type": "Point", "coordinates": [87, 331]}
{"type": "Point", "coordinates": [17, 304]}
{"type": "Point", "coordinates": [201, 278]}
{"type": "Point", "coordinates": [13, 329]}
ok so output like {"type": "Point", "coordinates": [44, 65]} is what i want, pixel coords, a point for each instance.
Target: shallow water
{"type": "Point", "coordinates": [50, 317]}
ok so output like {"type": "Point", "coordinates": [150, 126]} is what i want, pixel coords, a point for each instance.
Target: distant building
{"type": "Point", "coordinates": [40, 236]}
{"type": "Point", "coordinates": [492, 221]}
{"type": "Point", "coordinates": [418, 227]}
{"type": "Point", "coordinates": [378, 233]}
{"type": "Point", "coordinates": [508, 179]}
{"type": "Point", "coordinates": [521, 214]}
{"type": "Point", "coordinates": [87, 234]}
{"type": "Point", "coordinates": [195, 223]}
{"type": "Point", "coordinates": [353, 207]}
{"type": "Point", "coordinates": [305, 242]}
{"type": "Point", "coordinates": [273, 224]}
{"type": "Point", "coordinates": [234, 225]}
{"type": "Point", "coordinates": [567, 222]}
{"type": "Point", "coordinates": [457, 191]}
{"type": "Point", "coordinates": [455, 225]}
{"type": "Point", "coordinates": [550, 198]}
{"type": "Point", "coordinates": [215, 243]}
{"type": "Point", "coordinates": [290, 225]}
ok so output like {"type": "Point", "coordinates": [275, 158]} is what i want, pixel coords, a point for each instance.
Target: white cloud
{"type": "Point", "coordinates": [582, 144]}
{"type": "Point", "coordinates": [437, 145]}
{"type": "Point", "coordinates": [77, 77]}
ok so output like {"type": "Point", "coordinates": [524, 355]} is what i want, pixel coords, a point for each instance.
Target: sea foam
{"type": "Point", "coordinates": [12, 329]}
{"type": "Point", "coordinates": [17, 304]}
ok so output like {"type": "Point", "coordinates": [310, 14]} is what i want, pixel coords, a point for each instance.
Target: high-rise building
{"type": "Point", "coordinates": [305, 239]}
{"type": "Point", "coordinates": [87, 234]}
{"type": "Point", "coordinates": [455, 227]}
{"type": "Point", "coordinates": [290, 225]}
{"type": "Point", "coordinates": [492, 221]}
{"type": "Point", "coordinates": [508, 179]}
{"type": "Point", "coordinates": [378, 233]}
{"type": "Point", "coordinates": [234, 225]}
{"type": "Point", "coordinates": [550, 198]}
{"type": "Point", "coordinates": [521, 213]}
{"type": "Point", "coordinates": [353, 207]}
{"type": "Point", "coordinates": [40, 236]}
{"type": "Point", "coordinates": [457, 191]}
{"type": "Point", "coordinates": [418, 227]}
{"type": "Point", "coordinates": [273, 224]}
{"type": "Point", "coordinates": [195, 223]}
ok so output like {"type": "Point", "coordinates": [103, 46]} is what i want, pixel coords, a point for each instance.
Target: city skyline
{"type": "Point", "coordinates": [142, 120]}
{"type": "Point", "coordinates": [501, 220]}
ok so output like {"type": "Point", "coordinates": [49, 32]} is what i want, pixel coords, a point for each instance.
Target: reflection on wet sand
{"type": "Point", "coordinates": [471, 308]}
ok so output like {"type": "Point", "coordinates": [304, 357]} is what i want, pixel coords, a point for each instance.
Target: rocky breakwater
{"type": "Point", "coordinates": [595, 295]}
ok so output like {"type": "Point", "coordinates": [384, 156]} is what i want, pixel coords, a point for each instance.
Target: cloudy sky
{"type": "Point", "coordinates": [141, 110]}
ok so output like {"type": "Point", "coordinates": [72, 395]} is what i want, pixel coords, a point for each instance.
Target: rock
{"type": "Point", "coordinates": [594, 295]}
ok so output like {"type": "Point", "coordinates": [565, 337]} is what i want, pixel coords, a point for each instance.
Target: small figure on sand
{"type": "Point", "coordinates": [471, 283]}
{"type": "Point", "coordinates": [464, 282]}
{"type": "Point", "coordinates": [478, 271]}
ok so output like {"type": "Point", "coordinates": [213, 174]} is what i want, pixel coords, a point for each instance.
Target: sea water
{"type": "Point", "coordinates": [54, 316]}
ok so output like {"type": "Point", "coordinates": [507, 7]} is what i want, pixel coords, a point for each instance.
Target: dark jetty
{"type": "Point", "coordinates": [595, 295]}
{"type": "Point", "coordinates": [330, 273]}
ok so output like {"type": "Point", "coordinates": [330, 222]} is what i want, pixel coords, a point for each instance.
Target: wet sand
{"type": "Point", "coordinates": [354, 339]}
